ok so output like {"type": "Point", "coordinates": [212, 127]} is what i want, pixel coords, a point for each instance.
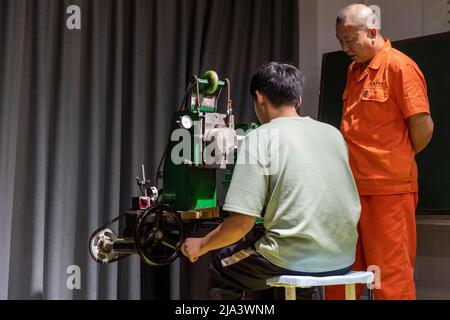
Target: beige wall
{"type": "Point", "coordinates": [401, 19]}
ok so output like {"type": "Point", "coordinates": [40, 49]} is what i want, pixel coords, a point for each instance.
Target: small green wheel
{"type": "Point", "coordinates": [213, 81]}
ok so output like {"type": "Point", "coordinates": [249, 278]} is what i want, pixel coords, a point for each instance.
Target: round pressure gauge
{"type": "Point", "coordinates": [186, 122]}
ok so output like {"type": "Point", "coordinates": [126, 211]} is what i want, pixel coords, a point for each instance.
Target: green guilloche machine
{"type": "Point", "coordinates": [202, 141]}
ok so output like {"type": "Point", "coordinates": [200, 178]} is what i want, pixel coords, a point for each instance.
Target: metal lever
{"type": "Point", "coordinates": [142, 183]}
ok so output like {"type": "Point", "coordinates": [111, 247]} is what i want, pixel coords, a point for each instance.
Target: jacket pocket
{"type": "Point", "coordinates": [375, 94]}
{"type": "Point", "coordinates": [375, 103]}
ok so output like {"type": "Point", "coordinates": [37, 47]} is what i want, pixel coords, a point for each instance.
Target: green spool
{"type": "Point", "coordinates": [213, 81]}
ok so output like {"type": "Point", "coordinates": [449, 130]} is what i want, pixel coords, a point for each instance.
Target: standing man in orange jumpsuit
{"type": "Point", "coordinates": [386, 121]}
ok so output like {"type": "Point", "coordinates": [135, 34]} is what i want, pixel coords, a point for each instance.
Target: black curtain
{"type": "Point", "coordinates": [80, 110]}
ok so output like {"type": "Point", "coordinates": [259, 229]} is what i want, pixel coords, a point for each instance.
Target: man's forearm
{"type": "Point", "coordinates": [233, 229]}
{"type": "Point", "coordinates": [420, 131]}
{"type": "Point", "coordinates": [421, 142]}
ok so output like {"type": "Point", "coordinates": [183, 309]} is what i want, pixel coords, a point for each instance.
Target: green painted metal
{"type": "Point", "coordinates": [203, 85]}
{"type": "Point", "coordinates": [188, 185]}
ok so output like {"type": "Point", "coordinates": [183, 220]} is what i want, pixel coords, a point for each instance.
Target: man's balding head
{"type": "Point", "coordinates": [358, 15]}
{"type": "Point", "coordinates": [357, 30]}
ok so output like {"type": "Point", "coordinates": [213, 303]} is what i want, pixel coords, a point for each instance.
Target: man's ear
{"type": "Point", "coordinates": [259, 98]}
{"type": "Point", "coordinates": [373, 33]}
{"type": "Point", "coordinates": [298, 105]}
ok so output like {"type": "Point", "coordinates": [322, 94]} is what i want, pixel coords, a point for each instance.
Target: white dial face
{"type": "Point", "coordinates": [186, 122]}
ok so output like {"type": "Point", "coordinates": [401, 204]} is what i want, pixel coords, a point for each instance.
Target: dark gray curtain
{"type": "Point", "coordinates": [80, 110]}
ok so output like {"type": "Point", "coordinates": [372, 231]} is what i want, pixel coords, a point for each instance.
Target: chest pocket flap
{"type": "Point", "coordinates": [375, 94]}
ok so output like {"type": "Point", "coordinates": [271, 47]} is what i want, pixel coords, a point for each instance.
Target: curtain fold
{"type": "Point", "coordinates": [80, 110]}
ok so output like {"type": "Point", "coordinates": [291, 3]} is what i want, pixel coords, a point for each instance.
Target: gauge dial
{"type": "Point", "coordinates": [186, 122]}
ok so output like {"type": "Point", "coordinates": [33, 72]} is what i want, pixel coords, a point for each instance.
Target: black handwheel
{"type": "Point", "coordinates": [158, 235]}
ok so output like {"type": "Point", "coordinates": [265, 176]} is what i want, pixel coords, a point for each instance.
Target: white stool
{"type": "Point", "coordinates": [349, 280]}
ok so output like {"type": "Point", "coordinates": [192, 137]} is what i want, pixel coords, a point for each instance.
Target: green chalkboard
{"type": "Point", "coordinates": [432, 54]}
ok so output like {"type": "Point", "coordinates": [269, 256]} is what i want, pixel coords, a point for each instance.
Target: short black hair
{"type": "Point", "coordinates": [281, 83]}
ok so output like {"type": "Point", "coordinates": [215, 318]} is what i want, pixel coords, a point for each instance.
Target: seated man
{"type": "Point", "coordinates": [297, 169]}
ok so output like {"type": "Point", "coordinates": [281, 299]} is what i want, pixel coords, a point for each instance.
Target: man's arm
{"type": "Point", "coordinates": [233, 229]}
{"type": "Point", "coordinates": [421, 128]}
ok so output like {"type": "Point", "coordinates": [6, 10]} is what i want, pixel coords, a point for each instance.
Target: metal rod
{"type": "Point", "coordinates": [144, 182]}
{"type": "Point", "coordinates": [124, 246]}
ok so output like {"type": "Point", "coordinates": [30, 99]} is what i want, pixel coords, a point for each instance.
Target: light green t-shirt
{"type": "Point", "coordinates": [298, 169]}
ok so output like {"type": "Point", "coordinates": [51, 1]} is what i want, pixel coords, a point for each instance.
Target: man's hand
{"type": "Point", "coordinates": [192, 248]}
{"type": "Point", "coordinates": [233, 229]}
{"type": "Point", "coordinates": [420, 130]}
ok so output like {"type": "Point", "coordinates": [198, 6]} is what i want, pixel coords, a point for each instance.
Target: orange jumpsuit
{"type": "Point", "coordinates": [376, 105]}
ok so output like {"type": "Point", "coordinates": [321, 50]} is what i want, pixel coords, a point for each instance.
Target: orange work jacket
{"type": "Point", "coordinates": [377, 103]}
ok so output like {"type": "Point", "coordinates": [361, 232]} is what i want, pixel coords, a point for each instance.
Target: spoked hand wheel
{"type": "Point", "coordinates": [158, 235]}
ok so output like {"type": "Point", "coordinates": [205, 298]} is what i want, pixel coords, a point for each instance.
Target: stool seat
{"type": "Point", "coordinates": [349, 280]}
{"type": "Point", "coordinates": [308, 281]}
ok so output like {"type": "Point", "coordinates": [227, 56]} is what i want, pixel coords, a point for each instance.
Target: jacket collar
{"type": "Point", "coordinates": [376, 62]}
